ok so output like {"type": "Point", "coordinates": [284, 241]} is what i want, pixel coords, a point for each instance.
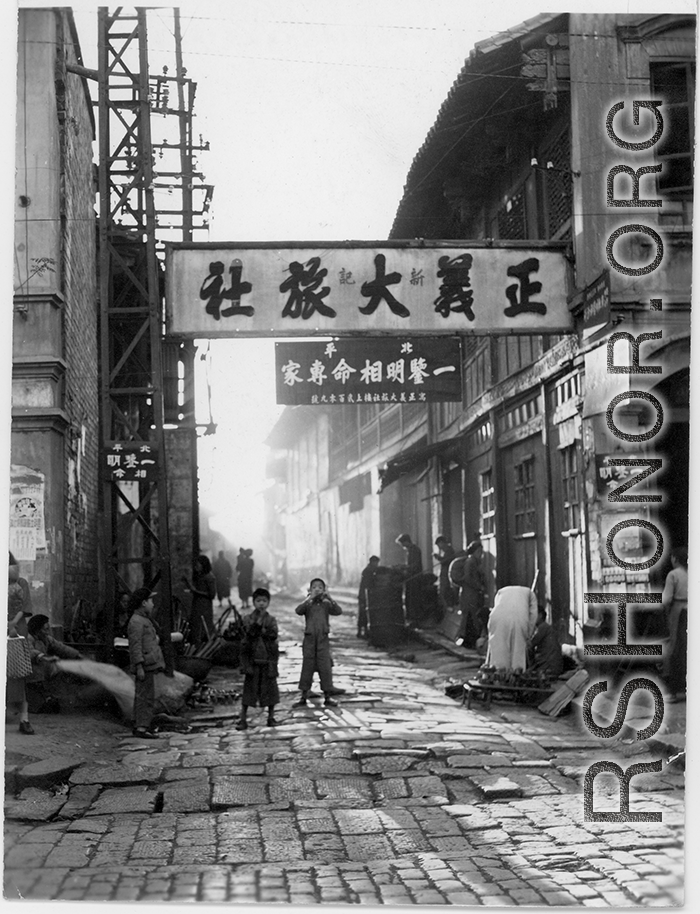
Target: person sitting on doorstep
{"type": "Point", "coordinates": [45, 650]}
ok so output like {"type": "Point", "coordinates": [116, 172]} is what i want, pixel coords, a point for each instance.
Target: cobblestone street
{"type": "Point", "coordinates": [398, 796]}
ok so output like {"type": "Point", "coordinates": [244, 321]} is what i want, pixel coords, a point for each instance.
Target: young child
{"type": "Point", "coordinates": [316, 648]}
{"type": "Point", "coordinates": [259, 656]}
{"type": "Point", "coordinates": [146, 659]}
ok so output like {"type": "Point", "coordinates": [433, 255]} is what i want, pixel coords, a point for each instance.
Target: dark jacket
{"type": "Point", "coordinates": [259, 627]}
{"type": "Point", "coordinates": [144, 643]}
{"type": "Point", "coordinates": [317, 612]}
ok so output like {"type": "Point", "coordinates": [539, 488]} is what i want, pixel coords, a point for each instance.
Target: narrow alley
{"type": "Point", "coordinates": [400, 795]}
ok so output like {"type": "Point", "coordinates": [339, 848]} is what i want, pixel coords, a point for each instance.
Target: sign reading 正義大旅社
{"type": "Point", "coordinates": [337, 288]}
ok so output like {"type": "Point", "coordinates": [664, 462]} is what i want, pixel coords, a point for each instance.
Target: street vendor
{"type": "Point", "coordinates": [511, 624]}
{"type": "Point", "coordinates": [545, 647]}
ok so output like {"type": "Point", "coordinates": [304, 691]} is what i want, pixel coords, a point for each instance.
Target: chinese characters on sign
{"type": "Point", "coordinates": [265, 290]}
{"type": "Point", "coordinates": [130, 461]}
{"type": "Point", "coordinates": [596, 304]}
{"type": "Point", "coordinates": [369, 370]}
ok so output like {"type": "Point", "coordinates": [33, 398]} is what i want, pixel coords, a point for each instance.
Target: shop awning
{"type": "Point", "coordinates": [409, 460]}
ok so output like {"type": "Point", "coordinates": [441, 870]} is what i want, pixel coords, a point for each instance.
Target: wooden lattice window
{"type": "Point", "coordinates": [524, 473]}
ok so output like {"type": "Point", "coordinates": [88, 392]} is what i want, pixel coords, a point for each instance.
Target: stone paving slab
{"type": "Point", "coordinates": [189, 796]}
{"type": "Point", "coordinates": [239, 791]}
{"type": "Point", "coordinates": [116, 774]}
{"type": "Point", "coordinates": [481, 760]}
{"type": "Point", "coordinates": [124, 800]}
{"type": "Point", "coordinates": [496, 787]}
{"type": "Point", "coordinates": [80, 799]}
{"type": "Point", "coordinates": [34, 805]}
{"type": "Point", "coordinates": [46, 772]}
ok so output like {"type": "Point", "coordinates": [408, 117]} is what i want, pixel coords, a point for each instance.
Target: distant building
{"type": "Point", "coordinates": [520, 152]}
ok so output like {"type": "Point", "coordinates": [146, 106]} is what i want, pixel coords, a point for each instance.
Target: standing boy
{"type": "Point", "coordinates": [316, 648]}
{"type": "Point", "coordinates": [259, 656]}
{"type": "Point", "coordinates": [146, 659]}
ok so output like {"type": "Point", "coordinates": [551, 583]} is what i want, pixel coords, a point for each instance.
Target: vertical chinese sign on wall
{"type": "Point", "coordinates": [130, 461]}
{"type": "Point", "coordinates": [369, 370]}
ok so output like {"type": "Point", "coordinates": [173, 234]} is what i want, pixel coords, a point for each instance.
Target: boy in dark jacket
{"type": "Point", "coordinates": [146, 659]}
{"type": "Point", "coordinates": [259, 656]}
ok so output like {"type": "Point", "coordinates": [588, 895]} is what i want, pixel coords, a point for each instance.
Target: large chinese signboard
{"type": "Point", "coordinates": [379, 370]}
{"type": "Point", "coordinates": [369, 288]}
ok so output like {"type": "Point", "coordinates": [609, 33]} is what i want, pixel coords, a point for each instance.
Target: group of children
{"type": "Point", "coordinates": [258, 658]}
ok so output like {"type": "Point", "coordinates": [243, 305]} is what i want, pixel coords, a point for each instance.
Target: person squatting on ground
{"type": "Point", "coordinates": [544, 651]}
{"type": "Point", "coordinates": [511, 625]}
{"type": "Point", "coordinates": [146, 659]}
{"type": "Point", "coordinates": [675, 603]}
{"type": "Point", "coordinates": [18, 611]}
{"type": "Point", "coordinates": [259, 659]}
{"type": "Point", "coordinates": [367, 582]}
{"type": "Point", "coordinates": [45, 650]}
{"type": "Point", "coordinates": [316, 648]}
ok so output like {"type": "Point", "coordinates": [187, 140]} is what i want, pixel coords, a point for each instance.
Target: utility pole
{"type": "Point", "coordinates": [135, 535]}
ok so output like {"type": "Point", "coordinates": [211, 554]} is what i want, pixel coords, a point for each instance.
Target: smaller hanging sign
{"type": "Point", "coordinates": [130, 461]}
{"type": "Point", "coordinates": [369, 370]}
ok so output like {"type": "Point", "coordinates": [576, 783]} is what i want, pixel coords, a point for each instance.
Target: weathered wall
{"type": "Point", "coordinates": [55, 371]}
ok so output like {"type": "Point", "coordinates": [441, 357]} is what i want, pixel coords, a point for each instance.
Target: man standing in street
{"type": "Point", "coordinates": [472, 581]}
{"type": "Point", "coordinates": [444, 555]}
{"type": "Point", "coordinates": [412, 571]}
{"type": "Point", "coordinates": [367, 581]}
{"type": "Point", "coordinates": [316, 648]}
{"type": "Point", "coordinates": [223, 571]}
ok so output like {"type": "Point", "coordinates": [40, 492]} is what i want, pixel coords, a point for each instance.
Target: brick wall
{"type": "Point", "coordinates": [79, 278]}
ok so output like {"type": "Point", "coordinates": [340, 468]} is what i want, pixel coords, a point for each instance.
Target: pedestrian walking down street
{"type": "Point", "coordinates": [469, 573]}
{"type": "Point", "coordinates": [412, 571]}
{"type": "Point", "coordinates": [244, 567]}
{"type": "Point", "coordinates": [223, 570]}
{"type": "Point", "coordinates": [316, 649]}
{"type": "Point", "coordinates": [675, 603]}
{"type": "Point", "coordinates": [146, 659]}
{"type": "Point", "coordinates": [259, 660]}
{"type": "Point", "coordinates": [511, 625]}
{"type": "Point", "coordinates": [203, 590]}
{"type": "Point", "coordinates": [367, 582]}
